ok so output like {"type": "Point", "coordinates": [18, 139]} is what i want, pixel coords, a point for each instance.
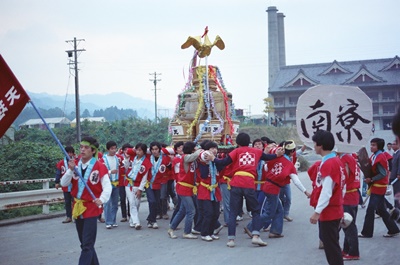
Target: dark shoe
{"type": "Point", "coordinates": [272, 235]}
{"type": "Point", "coordinates": [68, 220]}
{"type": "Point", "coordinates": [101, 220]}
{"type": "Point", "coordinates": [124, 219]}
{"type": "Point", "coordinates": [247, 231]}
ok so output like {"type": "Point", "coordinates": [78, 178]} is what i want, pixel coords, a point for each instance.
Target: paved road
{"type": "Point", "coordinates": [51, 242]}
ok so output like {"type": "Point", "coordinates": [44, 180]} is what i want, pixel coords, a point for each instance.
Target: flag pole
{"type": "Point", "coordinates": [63, 150]}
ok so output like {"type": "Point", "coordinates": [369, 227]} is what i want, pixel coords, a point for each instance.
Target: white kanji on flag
{"type": "Point", "coordinates": [247, 159]}
{"type": "Point", "coordinates": [3, 109]}
{"type": "Point", "coordinates": [12, 95]}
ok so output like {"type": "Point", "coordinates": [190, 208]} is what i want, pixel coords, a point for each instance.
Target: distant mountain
{"type": "Point", "coordinates": [92, 102]}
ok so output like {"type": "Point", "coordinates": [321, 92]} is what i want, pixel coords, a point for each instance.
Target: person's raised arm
{"type": "Point", "coordinates": [191, 157]}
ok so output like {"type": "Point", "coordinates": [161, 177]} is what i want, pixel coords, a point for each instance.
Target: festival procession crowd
{"type": "Point", "coordinates": [200, 180]}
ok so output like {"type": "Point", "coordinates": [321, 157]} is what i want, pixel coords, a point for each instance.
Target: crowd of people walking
{"type": "Point", "coordinates": [198, 181]}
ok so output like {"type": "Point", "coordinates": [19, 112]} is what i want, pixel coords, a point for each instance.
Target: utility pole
{"type": "Point", "coordinates": [155, 80]}
{"type": "Point", "coordinates": [73, 63]}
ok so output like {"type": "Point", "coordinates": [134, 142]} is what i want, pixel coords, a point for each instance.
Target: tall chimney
{"type": "Point", "coordinates": [273, 45]}
{"type": "Point", "coordinates": [281, 40]}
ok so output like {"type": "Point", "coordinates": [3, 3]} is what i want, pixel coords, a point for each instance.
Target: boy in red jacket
{"type": "Point", "coordinates": [378, 184]}
{"type": "Point", "coordinates": [329, 194]}
{"type": "Point", "coordinates": [86, 209]}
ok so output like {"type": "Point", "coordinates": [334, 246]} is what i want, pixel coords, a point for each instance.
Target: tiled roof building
{"type": "Point", "coordinates": [378, 78]}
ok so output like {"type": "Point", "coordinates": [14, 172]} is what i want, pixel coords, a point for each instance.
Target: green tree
{"type": "Point", "coordinates": [28, 160]}
{"type": "Point", "coordinates": [30, 113]}
{"type": "Point", "coordinates": [269, 107]}
{"type": "Point", "coordinates": [131, 130]}
{"type": "Point", "coordinates": [85, 113]}
{"type": "Point", "coordinates": [33, 135]}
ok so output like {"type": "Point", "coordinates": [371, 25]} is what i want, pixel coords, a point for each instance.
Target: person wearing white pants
{"type": "Point", "coordinates": [135, 181]}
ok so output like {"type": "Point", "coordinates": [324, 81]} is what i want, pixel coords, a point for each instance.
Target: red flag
{"type": "Point", "coordinates": [13, 97]}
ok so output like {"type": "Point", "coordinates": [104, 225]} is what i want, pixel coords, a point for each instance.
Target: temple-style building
{"type": "Point", "coordinates": [378, 78]}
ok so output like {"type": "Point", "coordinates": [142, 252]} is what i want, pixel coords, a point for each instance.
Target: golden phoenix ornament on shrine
{"type": "Point", "coordinates": [203, 49]}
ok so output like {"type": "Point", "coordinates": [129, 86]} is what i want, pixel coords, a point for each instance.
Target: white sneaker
{"type": "Point", "coordinates": [114, 225]}
{"type": "Point", "coordinates": [155, 226]}
{"type": "Point", "coordinates": [189, 236]}
{"type": "Point", "coordinates": [216, 231]}
{"type": "Point", "coordinates": [321, 245]}
{"type": "Point", "coordinates": [239, 218]}
{"type": "Point", "coordinates": [138, 226]}
{"type": "Point", "coordinates": [207, 238]}
{"type": "Point", "coordinates": [288, 218]}
{"type": "Point", "coordinates": [267, 229]}
{"type": "Point", "coordinates": [108, 226]}
{"type": "Point", "coordinates": [230, 244]}
{"type": "Point", "coordinates": [391, 235]}
{"type": "Point", "coordinates": [132, 225]}
{"type": "Point", "coordinates": [214, 237]}
{"type": "Point", "coordinates": [150, 225]}
{"type": "Point", "coordinates": [171, 234]}
{"type": "Point", "coordinates": [257, 241]}
{"type": "Point", "coordinates": [195, 232]}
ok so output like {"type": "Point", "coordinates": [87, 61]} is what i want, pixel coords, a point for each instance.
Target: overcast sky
{"type": "Point", "coordinates": [125, 40]}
